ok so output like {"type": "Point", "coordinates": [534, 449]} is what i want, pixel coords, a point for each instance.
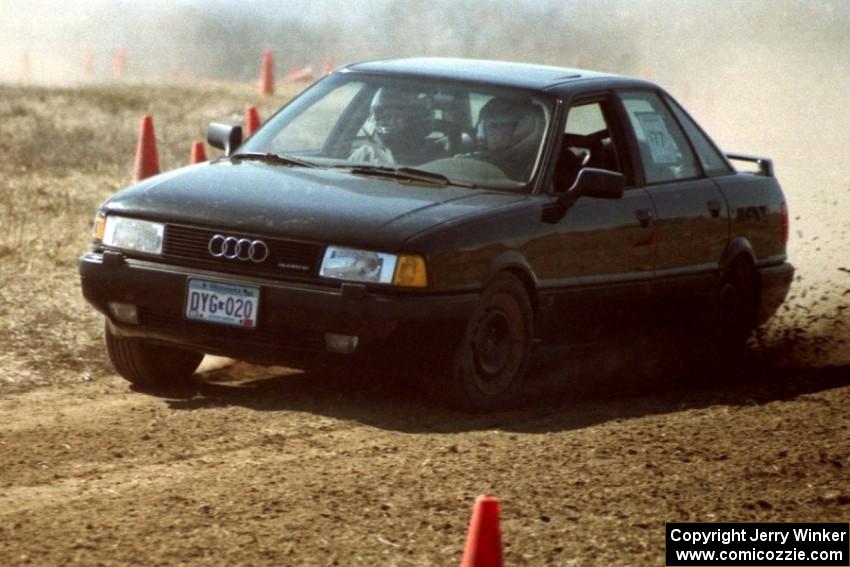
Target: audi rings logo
{"type": "Point", "coordinates": [233, 248]}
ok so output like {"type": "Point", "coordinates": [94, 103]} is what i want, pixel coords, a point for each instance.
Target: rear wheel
{"type": "Point", "coordinates": [151, 366]}
{"type": "Point", "coordinates": [488, 366]}
{"type": "Point", "coordinates": [737, 305]}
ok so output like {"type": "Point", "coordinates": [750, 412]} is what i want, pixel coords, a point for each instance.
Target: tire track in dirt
{"type": "Point", "coordinates": [316, 468]}
{"type": "Point", "coordinates": [99, 431]}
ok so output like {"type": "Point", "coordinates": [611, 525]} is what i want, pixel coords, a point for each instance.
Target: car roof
{"type": "Point", "coordinates": [501, 73]}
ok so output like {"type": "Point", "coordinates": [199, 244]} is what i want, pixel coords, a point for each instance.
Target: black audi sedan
{"type": "Point", "coordinates": [454, 213]}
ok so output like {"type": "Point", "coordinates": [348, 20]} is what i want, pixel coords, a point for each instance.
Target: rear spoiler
{"type": "Point", "coordinates": [765, 165]}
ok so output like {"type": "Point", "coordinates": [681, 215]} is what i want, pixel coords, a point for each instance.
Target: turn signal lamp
{"type": "Point", "coordinates": [99, 226]}
{"type": "Point", "coordinates": [410, 271]}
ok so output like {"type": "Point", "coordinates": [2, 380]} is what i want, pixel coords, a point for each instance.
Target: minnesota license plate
{"type": "Point", "coordinates": [226, 304]}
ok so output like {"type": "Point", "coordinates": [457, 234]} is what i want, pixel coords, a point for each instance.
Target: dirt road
{"type": "Point", "coordinates": [264, 466]}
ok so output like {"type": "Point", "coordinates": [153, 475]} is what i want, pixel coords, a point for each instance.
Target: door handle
{"type": "Point", "coordinates": [644, 216]}
{"type": "Point", "coordinates": [714, 206]}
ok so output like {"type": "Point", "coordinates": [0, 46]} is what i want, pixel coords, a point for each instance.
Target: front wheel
{"type": "Point", "coordinates": [488, 365]}
{"type": "Point", "coordinates": [151, 366]}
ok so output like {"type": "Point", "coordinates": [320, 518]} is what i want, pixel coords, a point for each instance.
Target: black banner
{"type": "Point", "coordinates": [762, 545]}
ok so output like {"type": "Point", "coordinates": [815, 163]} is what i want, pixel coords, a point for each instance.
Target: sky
{"type": "Point", "coordinates": [652, 37]}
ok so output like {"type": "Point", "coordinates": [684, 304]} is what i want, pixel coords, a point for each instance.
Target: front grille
{"type": "Point", "coordinates": [269, 335]}
{"type": "Point", "coordinates": [286, 257]}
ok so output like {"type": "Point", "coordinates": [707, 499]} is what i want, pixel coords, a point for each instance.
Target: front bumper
{"type": "Point", "coordinates": [293, 317]}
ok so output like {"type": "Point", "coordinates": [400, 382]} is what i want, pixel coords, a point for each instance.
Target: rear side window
{"type": "Point", "coordinates": [664, 150]}
{"type": "Point", "coordinates": [712, 162]}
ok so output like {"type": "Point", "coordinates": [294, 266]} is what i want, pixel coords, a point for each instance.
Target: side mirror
{"type": "Point", "coordinates": [225, 137]}
{"type": "Point", "coordinates": [596, 184]}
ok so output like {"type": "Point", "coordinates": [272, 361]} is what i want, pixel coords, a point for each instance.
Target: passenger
{"type": "Point", "coordinates": [403, 120]}
{"type": "Point", "coordinates": [508, 134]}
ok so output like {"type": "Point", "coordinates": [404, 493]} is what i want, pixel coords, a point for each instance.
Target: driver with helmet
{"type": "Point", "coordinates": [508, 134]}
{"type": "Point", "coordinates": [403, 120]}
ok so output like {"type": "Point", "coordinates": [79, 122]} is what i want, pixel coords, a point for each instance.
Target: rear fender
{"type": "Point", "coordinates": [739, 248]}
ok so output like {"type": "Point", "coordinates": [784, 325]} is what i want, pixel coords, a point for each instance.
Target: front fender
{"type": "Point", "coordinates": [514, 262]}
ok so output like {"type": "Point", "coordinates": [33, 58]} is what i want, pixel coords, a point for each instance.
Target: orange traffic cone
{"type": "Point", "coordinates": [147, 161]}
{"type": "Point", "coordinates": [199, 153]}
{"type": "Point", "coordinates": [267, 74]}
{"type": "Point", "coordinates": [252, 120]}
{"type": "Point", "coordinates": [328, 67]}
{"type": "Point", "coordinates": [484, 540]}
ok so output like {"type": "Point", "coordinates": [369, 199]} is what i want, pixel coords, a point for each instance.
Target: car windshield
{"type": "Point", "coordinates": [408, 128]}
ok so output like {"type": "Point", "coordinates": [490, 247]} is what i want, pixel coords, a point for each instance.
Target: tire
{"type": "Point", "coordinates": [737, 307]}
{"type": "Point", "coordinates": [151, 366]}
{"type": "Point", "coordinates": [488, 366]}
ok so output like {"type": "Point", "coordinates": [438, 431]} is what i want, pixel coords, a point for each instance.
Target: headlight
{"type": "Point", "coordinates": [133, 234]}
{"type": "Point", "coordinates": [358, 265]}
{"type": "Point", "coordinates": [404, 270]}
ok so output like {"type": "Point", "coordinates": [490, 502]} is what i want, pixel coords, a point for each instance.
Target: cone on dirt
{"type": "Point", "coordinates": [252, 120]}
{"type": "Point", "coordinates": [328, 67]}
{"type": "Point", "coordinates": [484, 540]}
{"type": "Point", "coordinates": [267, 74]}
{"type": "Point", "coordinates": [147, 160]}
{"type": "Point", "coordinates": [199, 152]}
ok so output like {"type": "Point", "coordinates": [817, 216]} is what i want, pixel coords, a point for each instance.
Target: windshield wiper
{"type": "Point", "coordinates": [406, 173]}
{"type": "Point", "coordinates": [274, 158]}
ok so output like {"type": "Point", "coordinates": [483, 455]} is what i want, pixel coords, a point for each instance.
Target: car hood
{"type": "Point", "coordinates": [323, 205]}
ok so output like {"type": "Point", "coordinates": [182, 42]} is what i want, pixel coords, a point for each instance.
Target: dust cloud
{"type": "Point", "coordinates": [768, 77]}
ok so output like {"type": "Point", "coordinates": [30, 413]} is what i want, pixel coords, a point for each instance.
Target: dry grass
{"type": "Point", "coordinates": [64, 152]}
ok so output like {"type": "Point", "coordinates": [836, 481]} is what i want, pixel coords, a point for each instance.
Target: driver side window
{"type": "Point", "coordinates": [308, 133]}
{"type": "Point", "coordinates": [587, 143]}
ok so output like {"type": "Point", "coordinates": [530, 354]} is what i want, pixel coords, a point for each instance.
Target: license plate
{"type": "Point", "coordinates": [226, 304]}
